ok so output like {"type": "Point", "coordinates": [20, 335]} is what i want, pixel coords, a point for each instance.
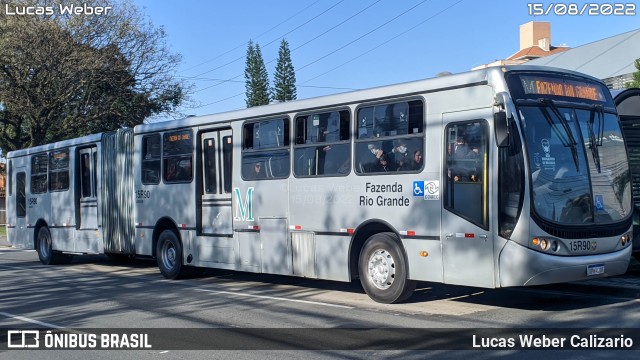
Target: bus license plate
{"type": "Point", "coordinates": [595, 269]}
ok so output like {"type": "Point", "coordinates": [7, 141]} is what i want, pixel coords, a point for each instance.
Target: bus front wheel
{"type": "Point", "coordinates": [383, 270]}
{"type": "Point", "coordinates": [169, 255]}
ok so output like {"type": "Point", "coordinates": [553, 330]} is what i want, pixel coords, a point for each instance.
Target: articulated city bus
{"type": "Point", "coordinates": [505, 176]}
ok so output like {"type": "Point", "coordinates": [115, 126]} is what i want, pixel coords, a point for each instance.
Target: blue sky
{"type": "Point", "coordinates": [340, 45]}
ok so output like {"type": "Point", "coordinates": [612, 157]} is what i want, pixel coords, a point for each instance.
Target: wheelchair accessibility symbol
{"type": "Point", "coordinates": [418, 188]}
{"type": "Point", "coordinates": [599, 203]}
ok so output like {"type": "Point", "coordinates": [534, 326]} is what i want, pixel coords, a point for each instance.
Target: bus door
{"type": "Point", "coordinates": [216, 157]}
{"type": "Point", "coordinates": [19, 222]}
{"type": "Point", "coordinates": [87, 237]}
{"type": "Point", "coordinates": [467, 243]}
{"type": "Point", "coordinates": [88, 196]}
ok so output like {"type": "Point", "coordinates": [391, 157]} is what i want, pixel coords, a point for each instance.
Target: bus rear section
{"type": "Point", "coordinates": [71, 197]}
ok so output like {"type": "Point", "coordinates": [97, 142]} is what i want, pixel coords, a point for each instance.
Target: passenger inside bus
{"type": "Point", "coordinates": [461, 149]}
{"type": "Point", "coordinates": [400, 154]}
{"type": "Point", "coordinates": [384, 165]}
{"type": "Point", "coordinates": [258, 171]}
{"type": "Point", "coordinates": [415, 163]}
{"type": "Point", "coordinates": [178, 172]}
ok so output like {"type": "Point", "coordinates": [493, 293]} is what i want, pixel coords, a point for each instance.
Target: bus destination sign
{"type": "Point", "coordinates": [179, 137]}
{"type": "Point", "coordinates": [558, 87]}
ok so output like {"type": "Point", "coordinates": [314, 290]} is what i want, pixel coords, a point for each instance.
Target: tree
{"type": "Point", "coordinates": [256, 77]}
{"type": "Point", "coordinates": [635, 83]}
{"type": "Point", "coordinates": [64, 76]}
{"type": "Point", "coordinates": [284, 78]}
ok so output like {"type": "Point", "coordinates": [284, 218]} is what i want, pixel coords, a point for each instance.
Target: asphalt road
{"type": "Point", "coordinates": [94, 294]}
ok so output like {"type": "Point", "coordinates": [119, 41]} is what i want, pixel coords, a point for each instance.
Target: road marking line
{"type": "Point", "coordinates": [276, 298]}
{"type": "Point", "coordinates": [22, 318]}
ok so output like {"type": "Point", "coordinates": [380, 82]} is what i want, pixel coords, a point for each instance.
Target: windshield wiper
{"type": "Point", "coordinates": [569, 140]}
{"type": "Point", "coordinates": [594, 142]}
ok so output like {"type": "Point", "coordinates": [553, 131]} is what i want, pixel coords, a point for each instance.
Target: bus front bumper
{"type": "Point", "coordinates": [521, 266]}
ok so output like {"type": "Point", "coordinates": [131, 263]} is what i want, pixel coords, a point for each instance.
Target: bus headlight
{"type": "Point", "coordinates": [625, 239]}
{"type": "Point", "coordinates": [544, 244]}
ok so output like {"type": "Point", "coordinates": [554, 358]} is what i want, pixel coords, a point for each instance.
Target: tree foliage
{"type": "Point", "coordinates": [256, 77]}
{"type": "Point", "coordinates": [635, 83]}
{"type": "Point", "coordinates": [284, 78]}
{"type": "Point", "coordinates": [64, 76]}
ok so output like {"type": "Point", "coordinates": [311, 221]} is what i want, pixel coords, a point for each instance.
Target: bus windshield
{"type": "Point", "coordinates": [576, 153]}
{"type": "Point", "coordinates": [578, 162]}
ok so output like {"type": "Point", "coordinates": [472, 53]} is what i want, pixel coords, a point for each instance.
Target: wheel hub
{"type": "Point", "coordinates": [382, 269]}
{"type": "Point", "coordinates": [169, 256]}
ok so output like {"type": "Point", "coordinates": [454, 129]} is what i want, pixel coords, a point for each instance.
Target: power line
{"type": "Point", "coordinates": [257, 37]}
{"type": "Point", "coordinates": [362, 36]}
{"type": "Point", "coordinates": [342, 47]}
{"type": "Point", "coordinates": [339, 24]}
{"type": "Point", "coordinates": [276, 39]}
{"type": "Point", "coordinates": [222, 81]}
{"type": "Point", "coordinates": [385, 42]}
{"type": "Point", "coordinates": [330, 53]}
{"type": "Point", "coordinates": [306, 86]}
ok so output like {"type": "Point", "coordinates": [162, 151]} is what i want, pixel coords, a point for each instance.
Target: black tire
{"type": "Point", "coordinates": [637, 255]}
{"type": "Point", "coordinates": [169, 255]}
{"type": "Point", "coordinates": [44, 248]}
{"type": "Point", "coordinates": [383, 270]}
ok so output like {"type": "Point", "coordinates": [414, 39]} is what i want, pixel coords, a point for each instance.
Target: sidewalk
{"type": "Point", "coordinates": [628, 283]}
{"type": "Point", "coordinates": [4, 242]}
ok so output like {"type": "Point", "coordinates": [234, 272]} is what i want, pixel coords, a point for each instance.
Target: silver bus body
{"type": "Point", "coordinates": [307, 215]}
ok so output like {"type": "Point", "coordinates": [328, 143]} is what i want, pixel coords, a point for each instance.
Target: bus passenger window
{"type": "Point", "coordinates": [390, 138]}
{"type": "Point", "coordinates": [322, 144]}
{"type": "Point", "coordinates": [265, 149]}
{"type": "Point", "coordinates": [151, 159]}
{"type": "Point", "coordinates": [178, 170]}
{"type": "Point", "coordinates": [59, 170]}
{"type": "Point", "coordinates": [177, 154]}
{"type": "Point", "coordinates": [39, 169]}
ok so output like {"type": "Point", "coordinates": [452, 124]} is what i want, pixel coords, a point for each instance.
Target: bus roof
{"type": "Point", "coordinates": [387, 92]}
{"type": "Point", "coordinates": [57, 145]}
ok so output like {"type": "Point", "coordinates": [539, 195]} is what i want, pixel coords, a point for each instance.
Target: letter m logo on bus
{"type": "Point", "coordinates": [244, 210]}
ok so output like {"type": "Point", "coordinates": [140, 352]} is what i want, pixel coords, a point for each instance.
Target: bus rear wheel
{"type": "Point", "coordinates": [383, 270]}
{"type": "Point", "coordinates": [45, 249]}
{"type": "Point", "coordinates": [169, 255]}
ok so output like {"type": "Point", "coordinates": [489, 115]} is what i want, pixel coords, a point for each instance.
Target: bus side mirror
{"type": "Point", "coordinates": [501, 119]}
{"type": "Point", "coordinates": [501, 126]}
